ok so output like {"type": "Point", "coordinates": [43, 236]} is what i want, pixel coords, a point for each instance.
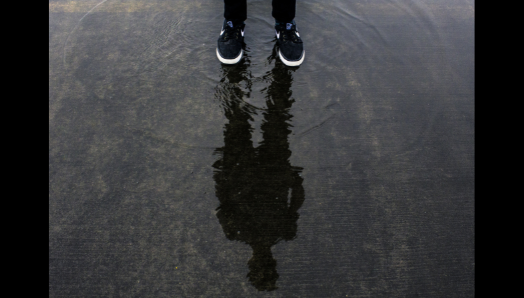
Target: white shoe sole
{"type": "Point", "coordinates": [230, 61]}
{"type": "Point", "coordinates": [291, 63]}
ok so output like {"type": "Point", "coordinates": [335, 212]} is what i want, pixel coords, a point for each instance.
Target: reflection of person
{"type": "Point", "coordinates": [259, 191]}
{"type": "Point", "coordinates": [229, 47]}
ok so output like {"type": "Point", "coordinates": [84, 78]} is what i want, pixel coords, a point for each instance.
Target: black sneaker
{"type": "Point", "coordinates": [229, 49]}
{"type": "Point", "coordinates": [291, 49]}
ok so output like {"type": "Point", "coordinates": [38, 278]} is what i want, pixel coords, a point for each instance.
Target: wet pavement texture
{"type": "Point", "coordinates": [171, 175]}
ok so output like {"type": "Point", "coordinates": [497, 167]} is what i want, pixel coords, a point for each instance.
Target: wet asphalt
{"type": "Point", "coordinates": [171, 175]}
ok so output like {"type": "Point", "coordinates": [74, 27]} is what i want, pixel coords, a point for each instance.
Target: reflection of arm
{"type": "Point", "coordinates": [289, 230]}
{"type": "Point", "coordinates": [228, 225]}
{"type": "Point", "coordinates": [297, 193]}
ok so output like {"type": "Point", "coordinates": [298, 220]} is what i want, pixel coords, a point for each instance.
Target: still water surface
{"type": "Point", "coordinates": [172, 175]}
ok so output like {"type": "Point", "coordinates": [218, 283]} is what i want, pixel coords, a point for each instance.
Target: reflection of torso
{"type": "Point", "coordinates": [258, 200]}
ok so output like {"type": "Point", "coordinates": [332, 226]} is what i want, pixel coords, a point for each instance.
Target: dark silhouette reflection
{"type": "Point", "coordinates": [259, 191]}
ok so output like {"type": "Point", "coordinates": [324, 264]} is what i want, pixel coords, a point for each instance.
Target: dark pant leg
{"type": "Point", "coordinates": [284, 10]}
{"type": "Point", "coordinates": [235, 10]}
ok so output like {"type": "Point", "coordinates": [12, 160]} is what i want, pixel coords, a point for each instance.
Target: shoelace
{"type": "Point", "coordinates": [290, 34]}
{"type": "Point", "coordinates": [231, 33]}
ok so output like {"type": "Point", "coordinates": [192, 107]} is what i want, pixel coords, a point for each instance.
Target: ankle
{"type": "Point", "coordinates": [281, 23]}
{"type": "Point", "coordinates": [233, 22]}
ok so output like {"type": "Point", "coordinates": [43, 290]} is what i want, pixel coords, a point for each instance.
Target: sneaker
{"type": "Point", "coordinates": [291, 49]}
{"type": "Point", "coordinates": [229, 49]}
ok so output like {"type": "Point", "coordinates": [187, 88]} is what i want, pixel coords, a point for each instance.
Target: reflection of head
{"type": "Point", "coordinates": [263, 269]}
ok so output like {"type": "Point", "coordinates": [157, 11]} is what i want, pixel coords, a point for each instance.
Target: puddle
{"type": "Point", "coordinates": [172, 175]}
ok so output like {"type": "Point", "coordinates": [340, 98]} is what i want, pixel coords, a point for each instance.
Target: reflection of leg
{"type": "Point", "coordinates": [279, 90]}
{"type": "Point", "coordinates": [234, 169]}
{"type": "Point", "coordinates": [237, 132]}
{"type": "Point", "coordinates": [228, 89]}
{"type": "Point", "coordinates": [274, 149]}
{"type": "Point", "coordinates": [235, 10]}
{"type": "Point", "coordinates": [234, 174]}
{"type": "Point", "coordinates": [238, 146]}
{"type": "Point", "coordinates": [284, 10]}
{"type": "Point", "coordinates": [276, 131]}
{"type": "Point", "coordinates": [279, 181]}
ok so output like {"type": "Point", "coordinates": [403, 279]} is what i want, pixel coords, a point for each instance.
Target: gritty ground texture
{"type": "Point", "coordinates": [173, 176]}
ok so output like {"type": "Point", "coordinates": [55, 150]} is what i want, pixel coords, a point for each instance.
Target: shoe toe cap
{"type": "Point", "coordinates": [292, 53]}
